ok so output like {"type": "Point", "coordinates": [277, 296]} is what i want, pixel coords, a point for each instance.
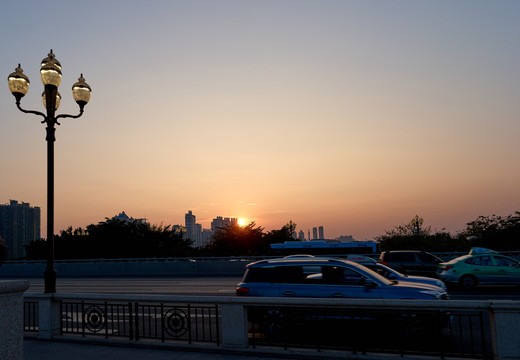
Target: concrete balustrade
{"type": "Point", "coordinates": [504, 316]}
{"type": "Point", "coordinates": [505, 327]}
{"type": "Point", "coordinates": [11, 319]}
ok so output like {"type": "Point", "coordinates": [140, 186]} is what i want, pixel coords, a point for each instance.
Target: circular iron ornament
{"type": "Point", "coordinates": [95, 318]}
{"type": "Point", "coordinates": [176, 322]}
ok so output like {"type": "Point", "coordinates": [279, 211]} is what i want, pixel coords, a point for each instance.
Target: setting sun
{"type": "Point", "coordinates": [242, 222]}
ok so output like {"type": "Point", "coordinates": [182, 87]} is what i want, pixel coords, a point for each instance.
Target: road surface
{"type": "Point", "coordinates": [212, 286]}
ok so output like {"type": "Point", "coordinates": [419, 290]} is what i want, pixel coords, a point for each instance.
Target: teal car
{"type": "Point", "coordinates": [480, 267]}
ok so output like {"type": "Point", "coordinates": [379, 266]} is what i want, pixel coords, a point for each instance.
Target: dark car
{"type": "Point", "coordinates": [411, 262]}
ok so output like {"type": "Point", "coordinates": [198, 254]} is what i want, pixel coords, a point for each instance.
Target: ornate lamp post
{"type": "Point", "coordinates": [51, 78]}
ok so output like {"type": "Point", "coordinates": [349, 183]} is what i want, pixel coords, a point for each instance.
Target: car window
{"type": "Point", "coordinates": [378, 269]}
{"type": "Point", "coordinates": [277, 274]}
{"type": "Point", "coordinates": [332, 274]}
{"type": "Point", "coordinates": [351, 277]}
{"type": "Point", "coordinates": [337, 275]}
{"type": "Point", "coordinates": [401, 257]}
{"type": "Point", "coordinates": [311, 269]}
{"type": "Point", "coordinates": [428, 258]}
{"type": "Point", "coordinates": [480, 261]}
{"type": "Point", "coordinates": [501, 261]}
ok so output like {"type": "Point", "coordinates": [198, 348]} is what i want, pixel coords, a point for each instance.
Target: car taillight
{"type": "Point", "coordinates": [242, 291]}
{"type": "Point", "coordinates": [384, 263]}
{"type": "Point", "coordinates": [447, 267]}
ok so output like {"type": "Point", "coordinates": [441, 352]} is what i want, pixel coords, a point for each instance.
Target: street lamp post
{"type": "Point", "coordinates": [51, 78]}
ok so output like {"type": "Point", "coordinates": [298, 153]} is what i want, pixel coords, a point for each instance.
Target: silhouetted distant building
{"type": "Point", "coordinates": [19, 225]}
{"type": "Point", "coordinates": [205, 237]}
{"type": "Point", "coordinates": [219, 223]}
{"type": "Point", "coordinates": [180, 229]}
{"type": "Point", "coordinates": [189, 221]}
{"type": "Point", "coordinates": [200, 237]}
{"type": "Point", "coordinates": [321, 234]}
{"type": "Point", "coordinates": [197, 236]}
{"type": "Point", "coordinates": [346, 238]}
{"type": "Point", "coordinates": [125, 218]}
{"type": "Point", "coordinates": [301, 235]}
{"type": "Point", "coordinates": [314, 233]}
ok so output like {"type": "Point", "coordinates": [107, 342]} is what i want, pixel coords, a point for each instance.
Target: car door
{"type": "Point", "coordinates": [507, 269]}
{"type": "Point", "coordinates": [405, 263]}
{"type": "Point", "coordinates": [428, 264]}
{"type": "Point", "coordinates": [302, 281]}
{"type": "Point", "coordinates": [347, 283]}
{"type": "Point", "coordinates": [482, 267]}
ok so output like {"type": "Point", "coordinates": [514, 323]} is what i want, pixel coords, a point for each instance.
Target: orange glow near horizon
{"type": "Point", "coordinates": [360, 124]}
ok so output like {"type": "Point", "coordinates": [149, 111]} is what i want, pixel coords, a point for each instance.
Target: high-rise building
{"type": "Point", "coordinates": [189, 219]}
{"type": "Point", "coordinates": [219, 223]}
{"type": "Point", "coordinates": [19, 225]}
{"type": "Point", "coordinates": [346, 238]}
{"type": "Point", "coordinates": [301, 235]}
{"type": "Point", "coordinates": [127, 219]}
{"type": "Point", "coordinates": [197, 236]}
{"type": "Point", "coordinates": [314, 233]}
{"type": "Point", "coordinates": [321, 235]}
{"type": "Point", "coordinates": [205, 237]}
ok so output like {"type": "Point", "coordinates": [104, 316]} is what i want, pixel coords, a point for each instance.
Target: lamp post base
{"type": "Point", "coordinates": [50, 281]}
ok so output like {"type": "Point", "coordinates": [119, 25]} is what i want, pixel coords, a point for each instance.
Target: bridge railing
{"type": "Point", "coordinates": [463, 329]}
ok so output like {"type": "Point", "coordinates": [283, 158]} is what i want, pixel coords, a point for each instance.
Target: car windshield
{"type": "Point", "coordinates": [503, 261]}
{"type": "Point", "coordinates": [371, 274]}
{"type": "Point", "coordinates": [391, 271]}
{"type": "Point", "coordinates": [460, 258]}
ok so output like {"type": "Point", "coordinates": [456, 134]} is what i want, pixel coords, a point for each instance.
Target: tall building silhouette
{"type": "Point", "coordinates": [190, 223]}
{"type": "Point", "coordinates": [19, 225]}
{"type": "Point", "coordinates": [219, 223]}
{"type": "Point", "coordinates": [321, 234]}
{"type": "Point", "coordinates": [315, 233]}
{"type": "Point", "coordinates": [127, 219]}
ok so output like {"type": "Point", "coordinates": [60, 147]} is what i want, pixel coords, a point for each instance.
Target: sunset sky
{"type": "Point", "coordinates": [353, 115]}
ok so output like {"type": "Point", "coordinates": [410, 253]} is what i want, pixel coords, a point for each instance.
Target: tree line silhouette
{"type": "Point", "coordinates": [114, 238]}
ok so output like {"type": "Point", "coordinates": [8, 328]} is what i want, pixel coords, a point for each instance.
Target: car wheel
{"type": "Point", "coordinates": [468, 282]}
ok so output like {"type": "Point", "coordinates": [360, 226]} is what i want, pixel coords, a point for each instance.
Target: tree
{"type": "Point", "coordinates": [415, 236]}
{"type": "Point", "coordinates": [286, 233]}
{"type": "Point", "coordinates": [413, 228]}
{"type": "Point", "coordinates": [115, 239]}
{"type": "Point", "coordinates": [36, 250]}
{"type": "Point", "coordinates": [494, 232]}
{"type": "Point", "coordinates": [234, 240]}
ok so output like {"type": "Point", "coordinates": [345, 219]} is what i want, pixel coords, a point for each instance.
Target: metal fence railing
{"type": "Point", "coordinates": [135, 320]}
{"type": "Point", "coordinates": [435, 329]}
{"type": "Point", "coordinates": [30, 316]}
{"type": "Point", "coordinates": [405, 332]}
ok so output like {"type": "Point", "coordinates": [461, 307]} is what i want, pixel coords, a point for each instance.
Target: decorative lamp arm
{"type": "Point", "coordinates": [61, 116]}
{"type": "Point", "coordinates": [29, 111]}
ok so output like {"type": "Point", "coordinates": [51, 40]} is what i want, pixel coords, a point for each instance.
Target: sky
{"type": "Point", "coordinates": [351, 115]}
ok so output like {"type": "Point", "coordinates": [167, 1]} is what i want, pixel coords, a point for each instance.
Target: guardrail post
{"type": "Point", "coordinates": [49, 317]}
{"type": "Point", "coordinates": [234, 326]}
{"type": "Point", "coordinates": [505, 327]}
